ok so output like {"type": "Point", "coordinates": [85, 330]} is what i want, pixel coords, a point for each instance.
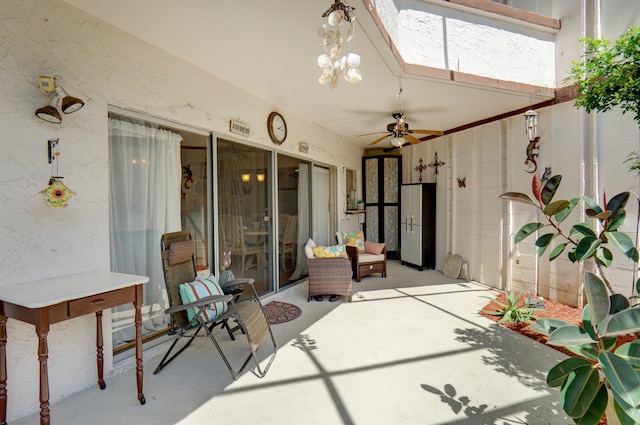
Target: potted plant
{"type": "Point", "coordinates": [604, 378]}
{"type": "Point", "coordinates": [360, 204]}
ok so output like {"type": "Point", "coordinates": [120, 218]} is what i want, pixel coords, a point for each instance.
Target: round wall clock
{"type": "Point", "coordinates": [277, 128]}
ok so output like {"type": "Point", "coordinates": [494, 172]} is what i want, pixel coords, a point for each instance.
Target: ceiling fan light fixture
{"type": "Point", "coordinates": [397, 142]}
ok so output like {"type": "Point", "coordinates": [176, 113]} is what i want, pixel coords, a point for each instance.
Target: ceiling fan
{"type": "Point", "coordinates": [401, 134]}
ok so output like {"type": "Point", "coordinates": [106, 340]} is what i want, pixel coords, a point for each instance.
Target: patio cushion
{"type": "Point", "coordinates": [373, 247]}
{"type": "Point", "coordinates": [370, 258]}
{"type": "Point", "coordinates": [354, 239]}
{"type": "Point", "coordinates": [200, 288]}
{"type": "Point", "coordinates": [179, 252]}
{"type": "Point", "coordinates": [308, 248]}
{"type": "Point", "coordinates": [333, 251]}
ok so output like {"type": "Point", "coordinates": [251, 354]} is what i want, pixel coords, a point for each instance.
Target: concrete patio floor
{"type": "Point", "coordinates": [409, 349]}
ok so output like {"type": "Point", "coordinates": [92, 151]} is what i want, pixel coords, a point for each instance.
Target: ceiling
{"type": "Point", "coordinates": [270, 49]}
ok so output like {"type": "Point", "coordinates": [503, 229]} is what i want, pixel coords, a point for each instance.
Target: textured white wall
{"type": "Point", "coordinates": [104, 66]}
{"type": "Point", "coordinates": [441, 37]}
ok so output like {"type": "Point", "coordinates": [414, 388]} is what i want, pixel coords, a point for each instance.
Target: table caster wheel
{"type": "Point", "coordinates": [102, 385]}
{"type": "Point", "coordinates": [142, 399]}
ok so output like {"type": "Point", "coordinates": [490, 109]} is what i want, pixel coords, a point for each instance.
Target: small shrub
{"type": "Point", "coordinates": [511, 311]}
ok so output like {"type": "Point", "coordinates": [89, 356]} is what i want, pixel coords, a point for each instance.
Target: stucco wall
{"type": "Point", "coordinates": [103, 66]}
{"type": "Point", "coordinates": [441, 37]}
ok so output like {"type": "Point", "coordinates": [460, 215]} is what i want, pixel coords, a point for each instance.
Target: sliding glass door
{"type": "Point", "coordinates": [244, 212]}
{"type": "Point", "coordinates": [293, 217]}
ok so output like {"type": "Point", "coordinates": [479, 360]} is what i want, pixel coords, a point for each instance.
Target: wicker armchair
{"type": "Point", "coordinates": [329, 276]}
{"type": "Point", "coordinates": [366, 264]}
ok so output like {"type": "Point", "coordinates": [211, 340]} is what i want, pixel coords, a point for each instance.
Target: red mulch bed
{"type": "Point", "coordinates": [552, 310]}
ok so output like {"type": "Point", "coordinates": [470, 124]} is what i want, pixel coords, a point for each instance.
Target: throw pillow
{"type": "Point", "coordinates": [373, 247]}
{"type": "Point", "coordinates": [200, 288]}
{"type": "Point", "coordinates": [179, 252]}
{"type": "Point", "coordinates": [333, 251]}
{"type": "Point", "coordinates": [308, 248]}
{"type": "Point", "coordinates": [354, 239]}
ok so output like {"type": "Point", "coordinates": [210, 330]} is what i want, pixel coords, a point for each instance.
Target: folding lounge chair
{"type": "Point", "coordinates": [209, 310]}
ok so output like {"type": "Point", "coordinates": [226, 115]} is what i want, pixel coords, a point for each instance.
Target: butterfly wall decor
{"type": "Point", "coordinates": [462, 182]}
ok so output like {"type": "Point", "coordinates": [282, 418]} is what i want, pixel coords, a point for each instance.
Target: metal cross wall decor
{"type": "Point", "coordinates": [435, 164]}
{"type": "Point", "coordinates": [420, 168]}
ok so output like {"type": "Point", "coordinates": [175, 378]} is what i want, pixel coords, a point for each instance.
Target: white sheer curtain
{"type": "Point", "coordinates": [145, 176]}
{"type": "Point", "coordinates": [321, 213]}
{"type": "Point", "coordinates": [303, 220]}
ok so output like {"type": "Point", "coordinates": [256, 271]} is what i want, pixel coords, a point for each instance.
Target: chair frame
{"type": "Point", "coordinates": [247, 313]}
{"type": "Point", "coordinates": [365, 269]}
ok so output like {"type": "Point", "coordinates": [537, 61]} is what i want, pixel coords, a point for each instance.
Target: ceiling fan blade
{"type": "Point", "coordinates": [411, 139]}
{"type": "Point", "coordinates": [432, 132]}
{"type": "Point", "coordinates": [371, 134]}
{"type": "Point", "coordinates": [380, 139]}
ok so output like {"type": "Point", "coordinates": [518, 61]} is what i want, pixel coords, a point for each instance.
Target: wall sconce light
{"type": "Point", "coordinates": [260, 177]}
{"type": "Point", "coordinates": [59, 96]}
{"type": "Point", "coordinates": [246, 177]}
{"type": "Point", "coordinates": [531, 124]}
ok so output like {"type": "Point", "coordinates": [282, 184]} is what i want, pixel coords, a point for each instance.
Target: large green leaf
{"type": "Point", "coordinates": [628, 415]}
{"type": "Point", "coordinates": [623, 243]}
{"type": "Point", "coordinates": [592, 204]}
{"type": "Point", "coordinates": [604, 256]}
{"type": "Point", "coordinates": [618, 303]}
{"type": "Point", "coordinates": [617, 203]}
{"type": "Point", "coordinates": [580, 390]}
{"type": "Point", "coordinates": [560, 216]}
{"type": "Point", "coordinates": [597, 297]}
{"type": "Point", "coordinates": [556, 207]}
{"type": "Point", "coordinates": [543, 242]}
{"type": "Point", "coordinates": [519, 197]}
{"type": "Point", "coordinates": [617, 221]}
{"type": "Point", "coordinates": [546, 326]}
{"type": "Point", "coordinates": [623, 323]}
{"type": "Point", "coordinates": [527, 230]}
{"type": "Point", "coordinates": [584, 229]}
{"type": "Point", "coordinates": [631, 352]}
{"type": "Point", "coordinates": [596, 409]}
{"type": "Point", "coordinates": [569, 335]}
{"type": "Point", "coordinates": [586, 322]}
{"type": "Point", "coordinates": [586, 351]}
{"type": "Point", "coordinates": [549, 189]}
{"type": "Point", "coordinates": [600, 216]}
{"type": "Point", "coordinates": [624, 380]}
{"type": "Point", "coordinates": [557, 251]}
{"type": "Point", "coordinates": [587, 247]}
{"type": "Point", "coordinates": [560, 372]}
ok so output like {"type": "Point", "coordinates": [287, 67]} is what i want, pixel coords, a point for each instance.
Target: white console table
{"type": "Point", "coordinates": [54, 300]}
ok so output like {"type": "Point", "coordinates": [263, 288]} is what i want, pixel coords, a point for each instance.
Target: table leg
{"type": "Point", "coordinates": [42, 330]}
{"type": "Point", "coordinates": [99, 349]}
{"type": "Point", "coordinates": [3, 370]}
{"type": "Point", "coordinates": [138, 323]}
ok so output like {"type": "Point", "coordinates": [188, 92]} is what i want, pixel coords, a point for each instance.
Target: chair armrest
{"type": "Point", "coordinates": [200, 302]}
{"type": "Point", "coordinates": [353, 253]}
{"type": "Point", "coordinates": [236, 282]}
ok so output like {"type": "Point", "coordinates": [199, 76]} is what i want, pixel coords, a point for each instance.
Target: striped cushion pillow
{"type": "Point", "coordinates": [200, 288]}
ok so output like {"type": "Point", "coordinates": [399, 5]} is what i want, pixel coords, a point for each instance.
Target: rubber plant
{"type": "Point", "coordinates": [602, 379]}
